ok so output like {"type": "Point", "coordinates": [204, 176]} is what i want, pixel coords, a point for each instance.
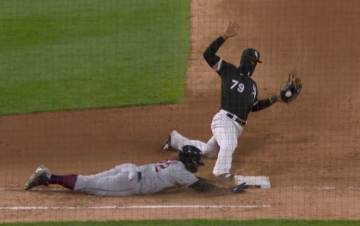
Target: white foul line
{"type": "Point", "coordinates": [128, 207]}
{"type": "Point", "coordinates": [323, 188]}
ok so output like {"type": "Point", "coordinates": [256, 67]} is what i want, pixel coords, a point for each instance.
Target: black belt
{"type": "Point", "coordinates": [240, 121]}
{"type": "Point", "coordinates": [139, 176]}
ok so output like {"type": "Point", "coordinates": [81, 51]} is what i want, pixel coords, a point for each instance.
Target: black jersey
{"type": "Point", "coordinates": [238, 91]}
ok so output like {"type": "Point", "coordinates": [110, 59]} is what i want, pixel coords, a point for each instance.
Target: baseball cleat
{"type": "Point", "coordinates": [167, 144]}
{"type": "Point", "coordinates": [40, 177]}
{"type": "Point", "coordinates": [225, 179]}
{"type": "Point", "coordinates": [226, 176]}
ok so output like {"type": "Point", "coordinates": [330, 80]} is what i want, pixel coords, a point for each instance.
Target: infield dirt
{"type": "Point", "coordinates": [308, 148]}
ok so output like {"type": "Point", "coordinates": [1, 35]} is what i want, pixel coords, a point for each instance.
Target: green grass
{"type": "Point", "coordinates": [195, 223]}
{"type": "Point", "coordinates": [80, 54]}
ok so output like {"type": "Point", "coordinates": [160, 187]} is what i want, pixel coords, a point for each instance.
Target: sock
{"type": "Point", "coordinates": [67, 181]}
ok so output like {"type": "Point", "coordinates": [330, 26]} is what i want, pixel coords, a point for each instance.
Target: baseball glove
{"type": "Point", "coordinates": [291, 89]}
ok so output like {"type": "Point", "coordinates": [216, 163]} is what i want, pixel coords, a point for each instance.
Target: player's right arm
{"type": "Point", "coordinates": [178, 173]}
{"type": "Point", "coordinates": [205, 186]}
{"type": "Point", "coordinates": [210, 56]}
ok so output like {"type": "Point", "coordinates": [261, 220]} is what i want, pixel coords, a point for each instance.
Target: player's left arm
{"type": "Point", "coordinates": [265, 103]}
{"type": "Point", "coordinates": [293, 85]}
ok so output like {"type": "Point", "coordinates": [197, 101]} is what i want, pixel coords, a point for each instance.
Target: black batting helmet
{"type": "Point", "coordinates": [251, 54]}
{"type": "Point", "coordinates": [249, 59]}
{"type": "Point", "coordinates": [191, 154]}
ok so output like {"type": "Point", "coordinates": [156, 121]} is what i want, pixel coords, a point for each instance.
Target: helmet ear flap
{"type": "Point", "coordinates": [191, 166]}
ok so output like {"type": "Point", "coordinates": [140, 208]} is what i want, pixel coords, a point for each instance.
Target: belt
{"type": "Point", "coordinates": [240, 121]}
{"type": "Point", "coordinates": [139, 176]}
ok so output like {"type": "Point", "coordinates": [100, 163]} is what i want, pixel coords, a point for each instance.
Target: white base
{"type": "Point", "coordinates": [253, 181]}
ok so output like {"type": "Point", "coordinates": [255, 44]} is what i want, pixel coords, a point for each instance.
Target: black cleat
{"type": "Point", "coordinates": [167, 144]}
{"type": "Point", "coordinates": [40, 177]}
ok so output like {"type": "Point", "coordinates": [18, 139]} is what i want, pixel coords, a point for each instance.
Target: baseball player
{"type": "Point", "coordinates": [129, 179]}
{"type": "Point", "coordinates": [238, 98]}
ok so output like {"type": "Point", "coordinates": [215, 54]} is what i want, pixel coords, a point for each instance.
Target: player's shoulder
{"type": "Point", "coordinates": [249, 80]}
{"type": "Point", "coordinates": [226, 67]}
{"type": "Point", "coordinates": [253, 81]}
{"type": "Point", "coordinates": [228, 64]}
{"type": "Point", "coordinates": [170, 162]}
{"type": "Point", "coordinates": [177, 166]}
{"type": "Point", "coordinates": [176, 163]}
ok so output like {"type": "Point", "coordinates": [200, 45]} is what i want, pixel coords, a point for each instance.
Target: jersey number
{"type": "Point", "coordinates": [164, 164]}
{"type": "Point", "coordinates": [240, 86]}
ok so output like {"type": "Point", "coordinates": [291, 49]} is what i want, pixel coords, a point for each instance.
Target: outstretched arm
{"type": "Point", "coordinates": [205, 186]}
{"type": "Point", "coordinates": [293, 85]}
{"type": "Point", "coordinates": [210, 53]}
{"type": "Point", "coordinates": [262, 104]}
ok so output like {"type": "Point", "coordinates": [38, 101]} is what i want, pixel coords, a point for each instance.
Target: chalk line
{"type": "Point", "coordinates": [129, 207]}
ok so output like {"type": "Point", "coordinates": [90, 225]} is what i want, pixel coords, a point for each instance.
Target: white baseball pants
{"type": "Point", "coordinates": [221, 145]}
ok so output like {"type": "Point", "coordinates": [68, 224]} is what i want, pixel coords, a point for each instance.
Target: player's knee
{"type": "Point", "coordinates": [229, 147]}
{"type": "Point", "coordinates": [211, 155]}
